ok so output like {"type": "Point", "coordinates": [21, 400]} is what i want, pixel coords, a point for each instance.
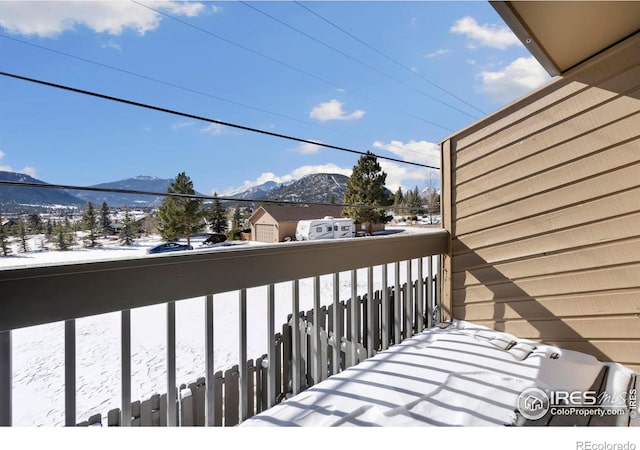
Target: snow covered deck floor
{"type": "Point", "coordinates": [462, 375]}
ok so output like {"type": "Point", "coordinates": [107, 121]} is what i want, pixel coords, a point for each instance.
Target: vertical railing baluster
{"type": "Point", "coordinates": [355, 318]}
{"type": "Point", "coordinates": [430, 302]}
{"type": "Point", "coordinates": [420, 298]}
{"type": "Point", "coordinates": [337, 323]}
{"type": "Point", "coordinates": [370, 315]}
{"type": "Point", "coordinates": [125, 354]}
{"type": "Point", "coordinates": [438, 293]}
{"type": "Point", "coordinates": [243, 371]}
{"type": "Point", "coordinates": [295, 338]}
{"type": "Point", "coordinates": [210, 368]}
{"type": "Point", "coordinates": [271, 346]}
{"type": "Point", "coordinates": [397, 306]}
{"type": "Point", "coordinates": [408, 305]}
{"type": "Point", "coordinates": [5, 379]}
{"type": "Point", "coordinates": [385, 307]}
{"type": "Point", "coordinates": [172, 390]}
{"type": "Point", "coordinates": [317, 356]}
{"type": "Point", "coordinates": [70, 373]}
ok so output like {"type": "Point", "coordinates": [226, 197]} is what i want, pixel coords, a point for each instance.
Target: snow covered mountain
{"type": "Point", "coordinates": [17, 199]}
{"type": "Point", "coordinates": [139, 183]}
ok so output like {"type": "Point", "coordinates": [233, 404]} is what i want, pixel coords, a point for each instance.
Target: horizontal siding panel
{"type": "Point", "coordinates": [619, 60]}
{"type": "Point", "coordinates": [609, 279]}
{"type": "Point", "coordinates": [582, 328]}
{"type": "Point", "coordinates": [594, 233]}
{"type": "Point", "coordinates": [591, 108]}
{"type": "Point", "coordinates": [553, 162]}
{"type": "Point", "coordinates": [580, 192]}
{"type": "Point", "coordinates": [615, 303]}
{"type": "Point", "coordinates": [466, 271]}
{"type": "Point", "coordinates": [494, 155]}
{"type": "Point", "coordinates": [589, 212]}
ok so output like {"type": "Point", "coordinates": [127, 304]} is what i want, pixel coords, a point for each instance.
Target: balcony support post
{"type": "Point", "coordinates": [337, 324]}
{"type": "Point", "coordinates": [5, 379]}
{"type": "Point", "coordinates": [172, 390]}
{"type": "Point", "coordinates": [271, 346]}
{"type": "Point", "coordinates": [408, 304]}
{"type": "Point", "coordinates": [125, 355]}
{"type": "Point", "coordinates": [355, 318]}
{"type": "Point", "coordinates": [209, 356]}
{"type": "Point", "coordinates": [242, 355]}
{"type": "Point", "coordinates": [370, 315]}
{"type": "Point", "coordinates": [295, 338]}
{"type": "Point", "coordinates": [420, 297]}
{"type": "Point", "coordinates": [397, 303]}
{"type": "Point", "coordinates": [317, 355]}
{"type": "Point", "coordinates": [70, 373]}
{"type": "Point", "coordinates": [385, 307]}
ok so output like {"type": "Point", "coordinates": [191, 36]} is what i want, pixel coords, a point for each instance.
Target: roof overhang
{"type": "Point", "coordinates": [563, 34]}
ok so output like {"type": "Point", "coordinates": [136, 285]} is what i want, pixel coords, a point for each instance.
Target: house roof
{"type": "Point", "coordinates": [293, 213]}
{"type": "Point", "coordinates": [563, 34]}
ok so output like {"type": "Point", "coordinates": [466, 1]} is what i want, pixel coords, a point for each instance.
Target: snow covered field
{"type": "Point", "coordinates": [38, 355]}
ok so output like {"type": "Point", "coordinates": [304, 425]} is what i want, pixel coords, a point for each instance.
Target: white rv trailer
{"type": "Point", "coordinates": [327, 228]}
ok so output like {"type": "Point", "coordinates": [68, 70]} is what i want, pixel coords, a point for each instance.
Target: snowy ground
{"type": "Point", "coordinates": [38, 355]}
{"type": "Point", "coordinates": [464, 375]}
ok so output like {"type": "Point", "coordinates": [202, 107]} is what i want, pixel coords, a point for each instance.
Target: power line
{"type": "Point", "coordinates": [370, 67]}
{"type": "Point", "coordinates": [155, 80]}
{"type": "Point", "coordinates": [393, 60]}
{"type": "Point", "coordinates": [277, 61]}
{"type": "Point", "coordinates": [206, 119]}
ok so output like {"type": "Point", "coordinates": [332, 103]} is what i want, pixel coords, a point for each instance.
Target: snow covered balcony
{"type": "Point", "coordinates": [42, 295]}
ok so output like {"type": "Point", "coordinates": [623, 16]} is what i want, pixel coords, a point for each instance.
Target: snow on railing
{"type": "Point", "coordinates": [39, 295]}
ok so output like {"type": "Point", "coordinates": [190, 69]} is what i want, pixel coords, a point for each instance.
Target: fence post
{"type": "Point", "coordinates": [172, 410]}
{"type": "Point", "coordinates": [125, 342]}
{"type": "Point", "coordinates": [337, 324]}
{"type": "Point", "coordinates": [70, 372]}
{"type": "Point", "coordinates": [5, 379]}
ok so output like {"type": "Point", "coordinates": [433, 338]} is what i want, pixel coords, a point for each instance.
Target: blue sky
{"type": "Point", "coordinates": [256, 71]}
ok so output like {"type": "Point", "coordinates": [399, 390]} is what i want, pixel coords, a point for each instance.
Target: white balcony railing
{"type": "Point", "coordinates": [40, 295]}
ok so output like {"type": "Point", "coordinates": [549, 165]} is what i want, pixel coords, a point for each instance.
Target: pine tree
{"type": "Point", "coordinates": [180, 216]}
{"type": "Point", "coordinates": [217, 216]}
{"type": "Point", "coordinates": [129, 229]}
{"type": "Point", "coordinates": [21, 232]}
{"type": "Point", "coordinates": [48, 230]}
{"type": "Point", "coordinates": [366, 187]}
{"type": "Point", "coordinates": [63, 236]}
{"type": "Point", "coordinates": [90, 224]}
{"type": "Point", "coordinates": [35, 224]}
{"type": "Point", "coordinates": [398, 200]}
{"type": "Point", "coordinates": [104, 219]}
{"type": "Point", "coordinates": [4, 240]}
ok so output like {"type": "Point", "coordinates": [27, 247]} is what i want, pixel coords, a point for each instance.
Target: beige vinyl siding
{"type": "Point", "coordinates": [543, 209]}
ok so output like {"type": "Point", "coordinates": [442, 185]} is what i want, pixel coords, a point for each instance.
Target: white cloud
{"type": "Point", "coordinates": [439, 52]}
{"type": "Point", "coordinates": [214, 129]}
{"type": "Point", "coordinates": [308, 149]}
{"type": "Point", "coordinates": [332, 110]}
{"type": "Point", "coordinates": [27, 170]}
{"type": "Point", "coordinates": [485, 35]}
{"type": "Point", "coordinates": [181, 125]}
{"type": "Point", "coordinates": [216, 9]}
{"type": "Point", "coordinates": [51, 18]}
{"type": "Point", "coordinates": [406, 176]}
{"type": "Point", "coordinates": [518, 78]}
{"type": "Point", "coordinates": [422, 152]}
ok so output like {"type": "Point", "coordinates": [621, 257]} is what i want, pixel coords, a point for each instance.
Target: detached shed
{"type": "Point", "coordinates": [273, 223]}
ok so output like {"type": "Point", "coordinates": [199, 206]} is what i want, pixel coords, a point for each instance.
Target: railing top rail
{"type": "Point", "coordinates": [38, 295]}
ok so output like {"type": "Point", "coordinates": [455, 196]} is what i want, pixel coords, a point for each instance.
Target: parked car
{"type": "Point", "coordinates": [169, 247]}
{"type": "Point", "coordinates": [214, 239]}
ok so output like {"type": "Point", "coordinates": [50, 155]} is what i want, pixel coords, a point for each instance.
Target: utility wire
{"type": "Point", "coordinates": [370, 67]}
{"type": "Point", "coordinates": [27, 184]}
{"type": "Point", "coordinates": [277, 61]}
{"type": "Point", "coordinates": [393, 60]}
{"type": "Point", "coordinates": [205, 119]}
